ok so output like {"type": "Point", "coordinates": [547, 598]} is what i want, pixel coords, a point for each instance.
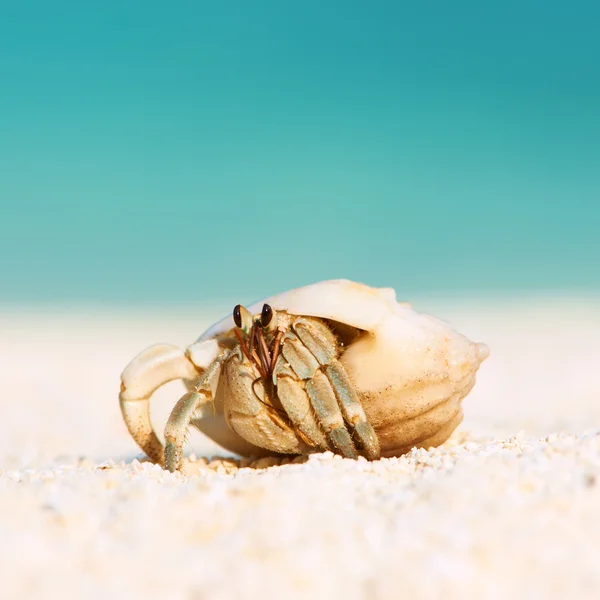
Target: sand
{"type": "Point", "coordinates": [508, 508]}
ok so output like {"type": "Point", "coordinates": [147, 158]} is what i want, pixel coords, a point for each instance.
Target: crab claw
{"type": "Point", "coordinates": [148, 371]}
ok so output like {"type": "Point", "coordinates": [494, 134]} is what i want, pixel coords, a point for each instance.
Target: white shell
{"type": "Point", "coordinates": [411, 371]}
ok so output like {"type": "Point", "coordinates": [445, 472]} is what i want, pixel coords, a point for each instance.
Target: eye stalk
{"type": "Point", "coordinates": [237, 315]}
{"type": "Point", "coordinates": [268, 318]}
{"type": "Point", "coordinates": [242, 318]}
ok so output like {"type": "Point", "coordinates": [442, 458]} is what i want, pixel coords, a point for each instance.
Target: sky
{"type": "Point", "coordinates": [185, 152]}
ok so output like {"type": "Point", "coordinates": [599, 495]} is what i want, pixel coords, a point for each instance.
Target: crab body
{"type": "Point", "coordinates": [335, 366]}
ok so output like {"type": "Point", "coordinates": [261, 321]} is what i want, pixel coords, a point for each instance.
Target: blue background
{"type": "Point", "coordinates": [157, 152]}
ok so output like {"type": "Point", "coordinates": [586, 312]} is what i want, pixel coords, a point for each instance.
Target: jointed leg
{"type": "Point", "coordinates": [319, 340]}
{"type": "Point", "coordinates": [179, 421]}
{"type": "Point", "coordinates": [325, 409]}
{"type": "Point", "coordinates": [295, 400]}
{"type": "Point", "coordinates": [329, 415]}
{"type": "Point", "coordinates": [352, 410]}
{"type": "Point", "coordinates": [148, 371]}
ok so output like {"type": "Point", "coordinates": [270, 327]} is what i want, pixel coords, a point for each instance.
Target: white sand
{"type": "Point", "coordinates": [509, 508]}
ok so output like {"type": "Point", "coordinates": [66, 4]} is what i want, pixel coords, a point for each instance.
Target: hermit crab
{"type": "Point", "coordinates": [336, 366]}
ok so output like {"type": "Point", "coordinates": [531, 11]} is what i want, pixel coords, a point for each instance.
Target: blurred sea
{"type": "Point", "coordinates": [188, 152]}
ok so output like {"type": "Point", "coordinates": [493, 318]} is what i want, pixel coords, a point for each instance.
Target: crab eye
{"type": "Point", "coordinates": [266, 316]}
{"type": "Point", "coordinates": [243, 319]}
{"type": "Point", "coordinates": [237, 315]}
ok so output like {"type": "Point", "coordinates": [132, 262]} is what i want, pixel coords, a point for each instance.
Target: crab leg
{"type": "Point", "coordinates": [295, 400]}
{"type": "Point", "coordinates": [148, 371]}
{"type": "Point", "coordinates": [328, 413]}
{"type": "Point", "coordinates": [317, 342]}
{"type": "Point", "coordinates": [352, 410]}
{"type": "Point", "coordinates": [320, 393]}
{"type": "Point", "coordinates": [184, 411]}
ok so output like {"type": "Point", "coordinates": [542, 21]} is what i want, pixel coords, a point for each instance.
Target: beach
{"type": "Point", "coordinates": [508, 507]}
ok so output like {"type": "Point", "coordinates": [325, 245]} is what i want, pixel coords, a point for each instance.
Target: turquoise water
{"type": "Point", "coordinates": [190, 151]}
